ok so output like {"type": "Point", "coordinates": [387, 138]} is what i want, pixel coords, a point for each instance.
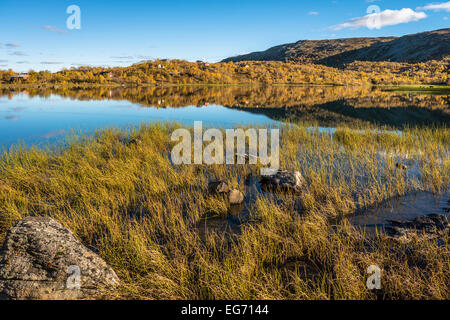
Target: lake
{"type": "Point", "coordinates": [36, 121]}
{"type": "Point", "coordinates": [37, 117]}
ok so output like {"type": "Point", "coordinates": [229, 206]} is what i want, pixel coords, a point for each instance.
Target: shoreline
{"type": "Point", "coordinates": [424, 88]}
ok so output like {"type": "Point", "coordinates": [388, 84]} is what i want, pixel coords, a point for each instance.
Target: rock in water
{"type": "Point", "coordinates": [428, 227]}
{"type": "Point", "coordinates": [41, 260]}
{"type": "Point", "coordinates": [218, 187]}
{"type": "Point", "coordinates": [283, 180]}
{"type": "Point", "coordinates": [401, 166]}
{"type": "Point", "coordinates": [236, 197]}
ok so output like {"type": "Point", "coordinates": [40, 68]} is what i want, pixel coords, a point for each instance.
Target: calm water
{"type": "Point", "coordinates": [42, 117]}
{"type": "Point", "coordinates": [405, 208]}
{"type": "Point", "coordinates": [39, 121]}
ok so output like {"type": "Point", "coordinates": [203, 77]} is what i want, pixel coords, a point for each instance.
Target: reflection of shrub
{"type": "Point", "coordinates": [249, 96]}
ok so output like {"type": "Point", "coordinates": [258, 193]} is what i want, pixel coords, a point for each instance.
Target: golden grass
{"type": "Point", "coordinates": [143, 215]}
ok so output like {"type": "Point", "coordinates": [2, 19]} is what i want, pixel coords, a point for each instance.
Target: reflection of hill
{"type": "Point", "coordinates": [340, 112]}
{"type": "Point", "coordinates": [326, 105]}
{"type": "Point", "coordinates": [307, 114]}
{"type": "Point", "coordinates": [398, 116]}
{"type": "Point", "coordinates": [250, 96]}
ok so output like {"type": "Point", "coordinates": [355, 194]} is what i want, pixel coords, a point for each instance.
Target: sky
{"type": "Point", "coordinates": [35, 35]}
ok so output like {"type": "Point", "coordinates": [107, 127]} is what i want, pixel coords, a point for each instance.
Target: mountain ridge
{"type": "Point", "coordinates": [413, 48]}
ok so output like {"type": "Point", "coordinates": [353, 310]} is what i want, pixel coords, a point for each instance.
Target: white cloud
{"type": "Point", "coordinates": [54, 29]}
{"type": "Point", "coordinates": [18, 53]}
{"type": "Point", "coordinates": [50, 62]}
{"type": "Point", "coordinates": [445, 6]}
{"type": "Point", "coordinates": [13, 45]}
{"type": "Point", "coordinates": [11, 118]}
{"type": "Point", "coordinates": [80, 64]}
{"type": "Point", "coordinates": [313, 13]}
{"type": "Point", "coordinates": [383, 19]}
{"type": "Point", "coordinates": [122, 57]}
{"type": "Point", "coordinates": [144, 57]}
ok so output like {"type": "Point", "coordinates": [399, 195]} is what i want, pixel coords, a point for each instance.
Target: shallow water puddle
{"type": "Point", "coordinates": [406, 208]}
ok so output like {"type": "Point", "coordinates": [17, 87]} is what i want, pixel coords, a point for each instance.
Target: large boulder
{"type": "Point", "coordinates": [42, 260]}
{"type": "Point", "coordinates": [282, 180]}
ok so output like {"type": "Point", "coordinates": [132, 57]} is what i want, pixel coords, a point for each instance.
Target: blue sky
{"type": "Point", "coordinates": [34, 35]}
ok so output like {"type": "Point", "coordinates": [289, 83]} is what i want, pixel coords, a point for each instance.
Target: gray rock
{"type": "Point", "coordinates": [40, 260]}
{"type": "Point", "coordinates": [283, 180]}
{"type": "Point", "coordinates": [235, 197]}
{"type": "Point", "coordinates": [218, 187]}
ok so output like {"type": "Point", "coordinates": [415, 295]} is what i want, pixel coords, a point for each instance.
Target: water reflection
{"type": "Point", "coordinates": [36, 114]}
{"type": "Point", "coordinates": [374, 220]}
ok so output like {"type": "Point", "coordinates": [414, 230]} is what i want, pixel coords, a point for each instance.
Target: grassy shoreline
{"type": "Point", "coordinates": [435, 89]}
{"type": "Point", "coordinates": [420, 88]}
{"type": "Point", "coordinates": [142, 215]}
{"type": "Point", "coordinates": [117, 85]}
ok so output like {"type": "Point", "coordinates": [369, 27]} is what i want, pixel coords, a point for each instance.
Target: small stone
{"type": "Point", "coordinates": [219, 187]}
{"type": "Point", "coordinates": [235, 197]}
{"type": "Point", "coordinates": [401, 166]}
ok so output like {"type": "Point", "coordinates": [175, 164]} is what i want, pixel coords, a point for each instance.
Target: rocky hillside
{"type": "Point", "coordinates": [309, 50]}
{"type": "Point", "coordinates": [420, 47]}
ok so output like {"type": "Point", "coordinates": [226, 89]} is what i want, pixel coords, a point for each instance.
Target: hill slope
{"type": "Point", "coordinates": [421, 47]}
{"type": "Point", "coordinates": [309, 50]}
